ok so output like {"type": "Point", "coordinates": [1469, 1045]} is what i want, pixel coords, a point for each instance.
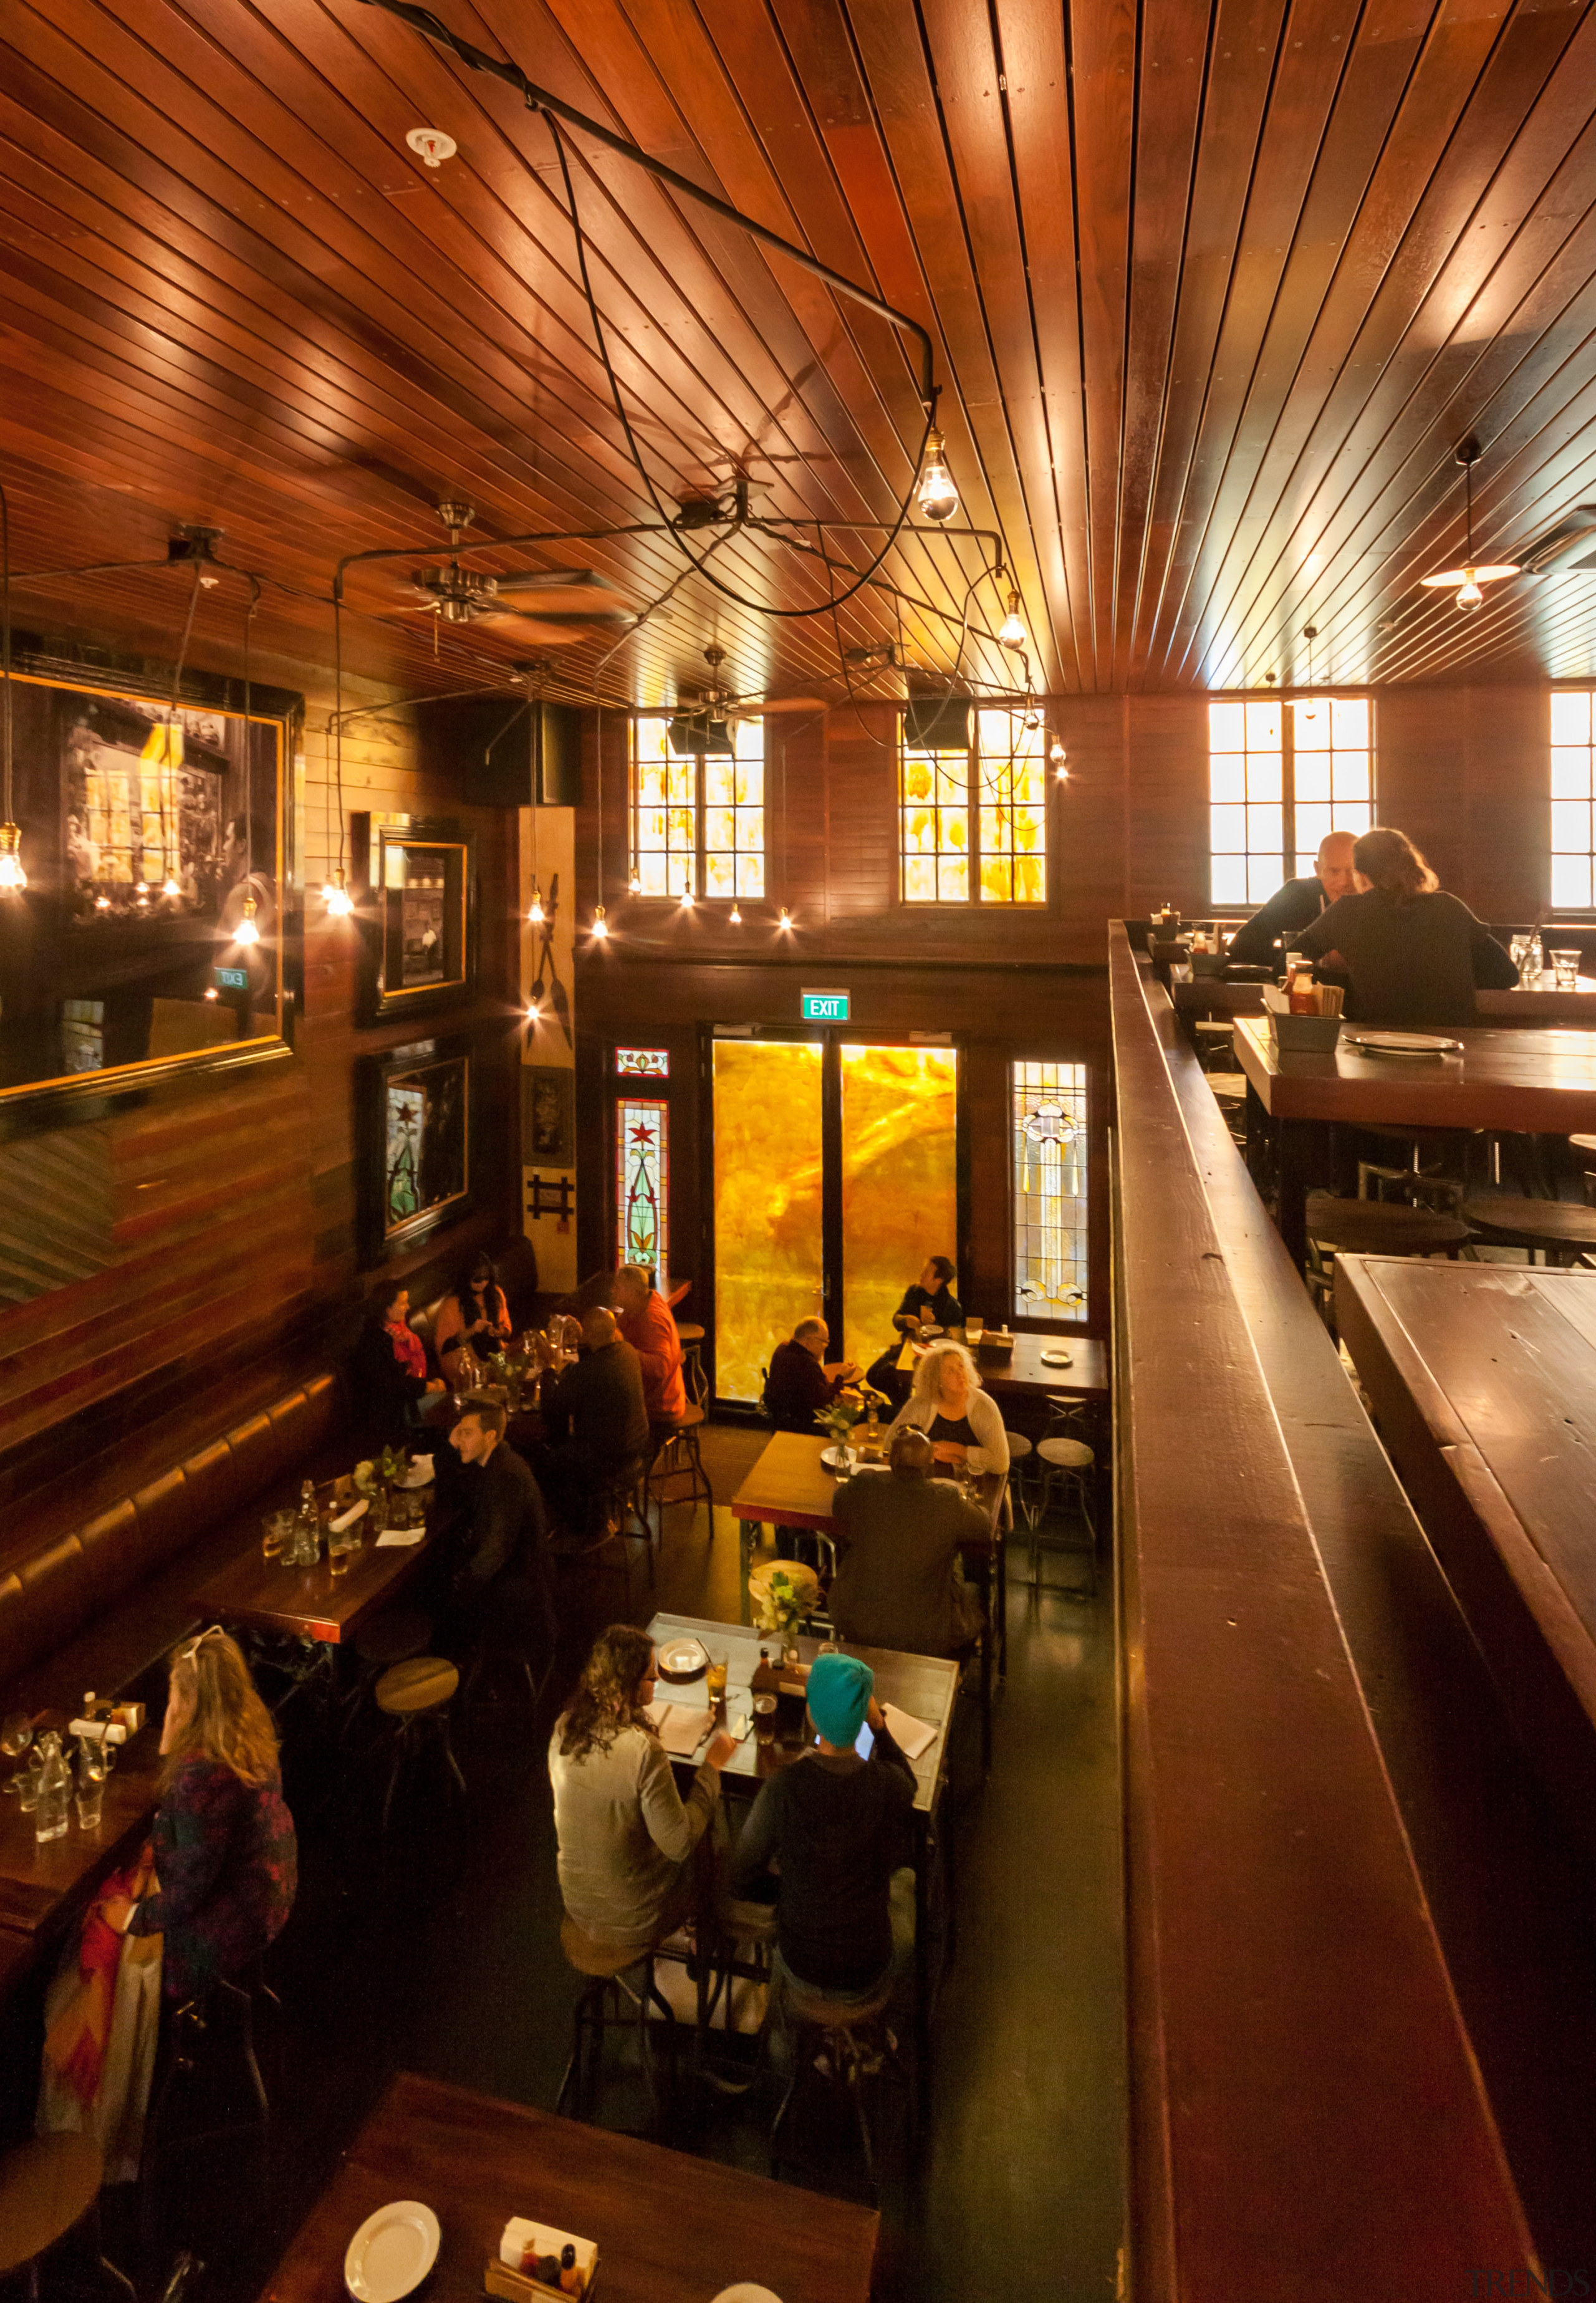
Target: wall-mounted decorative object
{"type": "Point", "coordinates": [149, 937]}
{"type": "Point", "coordinates": [416, 1144]}
{"type": "Point", "coordinates": [548, 1117]}
{"type": "Point", "coordinates": [415, 884]}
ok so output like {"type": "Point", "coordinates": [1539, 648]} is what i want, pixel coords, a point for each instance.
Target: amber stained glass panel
{"type": "Point", "coordinates": [767, 1166]}
{"type": "Point", "coordinates": [899, 1181]}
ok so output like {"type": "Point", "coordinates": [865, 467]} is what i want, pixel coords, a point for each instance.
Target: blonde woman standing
{"type": "Point", "coordinates": [948, 1405]}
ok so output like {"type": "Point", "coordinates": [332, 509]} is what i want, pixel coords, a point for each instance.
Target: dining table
{"type": "Point", "coordinates": [253, 1593]}
{"type": "Point", "coordinates": [1497, 1079]}
{"type": "Point", "coordinates": [925, 1687]}
{"type": "Point", "coordinates": [1542, 1003]}
{"type": "Point", "coordinates": [43, 1887]}
{"type": "Point", "coordinates": [668, 2227]}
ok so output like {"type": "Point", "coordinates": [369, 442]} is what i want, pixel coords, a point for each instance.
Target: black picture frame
{"type": "Point", "coordinates": [548, 1116]}
{"type": "Point", "coordinates": [417, 1142]}
{"type": "Point", "coordinates": [416, 882]}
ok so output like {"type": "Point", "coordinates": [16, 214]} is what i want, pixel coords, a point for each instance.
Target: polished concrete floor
{"type": "Point", "coordinates": [437, 1949]}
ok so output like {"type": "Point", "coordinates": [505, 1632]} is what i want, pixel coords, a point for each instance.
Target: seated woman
{"type": "Point", "coordinates": [474, 1318]}
{"type": "Point", "coordinates": [948, 1405]}
{"type": "Point", "coordinates": [1413, 955]}
{"type": "Point", "coordinates": [798, 1386]}
{"type": "Point", "coordinates": [626, 1836]}
{"type": "Point", "coordinates": [388, 1367]}
{"type": "Point", "coordinates": [929, 1302]}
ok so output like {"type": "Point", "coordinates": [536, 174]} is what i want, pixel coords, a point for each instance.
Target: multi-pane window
{"type": "Point", "coordinates": [1573, 800]}
{"type": "Point", "coordinates": [642, 1181]}
{"type": "Point", "coordinates": [972, 822]}
{"type": "Point", "coordinates": [698, 823]}
{"type": "Point", "coordinates": [1281, 775]}
{"type": "Point", "coordinates": [1048, 1120]}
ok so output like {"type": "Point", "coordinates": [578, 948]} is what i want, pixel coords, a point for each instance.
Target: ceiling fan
{"type": "Point", "coordinates": [1468, 579]}
{"type": "Point", "coordinates": [704, 725]}
{"type": "Point", "coordinates": [563, 603]}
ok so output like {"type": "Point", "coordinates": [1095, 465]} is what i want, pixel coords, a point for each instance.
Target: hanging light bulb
{"type": "Point", "coordinates": [534, 909]}
{"type": "Point", "coordinates": [534, 1009]}
{"type": "Point", "coordinates": [13, 878]}
{"type": "Point", "coordinates": [634, 886]}
{"type": "Point", "coordinates": [245, 931]}
{"type": "Point", "coordinates": [1061, 760]}
{"type": "Point", "coordinates": [601, 926]}
{"type": "Point", "coordinates": [336, 896]}
{"type": "Point", "coordinates": [169, 886]}
{"type": "Point", "coordinates": [936, 494]}
{"type": "Point", "coordinates": [1011, 631]}
{"type": "Point", "coordinates": [687, 899]}
{"type": "Point", "coordinates": [735, 913]}
{"type": "Point", "coordinates": [786, 919]}
{"type": "Point", "coordinates": [1469, 595]}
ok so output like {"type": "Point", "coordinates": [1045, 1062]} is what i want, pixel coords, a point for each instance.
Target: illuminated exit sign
{"type": "Point", "coordinates": [825, 1007]}
{"type": "Point", "coordinates": [233, 979]}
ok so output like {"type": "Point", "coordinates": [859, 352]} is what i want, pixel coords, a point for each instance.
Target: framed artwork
{"type": "Point", "coordinates": [418, 914]}
{"type": "Point", "coordinates": [415, 1149]}
{"type": "Point", "coordinates": [548, 1117]}
{"type": "Point", "coordinates": [153, 836]}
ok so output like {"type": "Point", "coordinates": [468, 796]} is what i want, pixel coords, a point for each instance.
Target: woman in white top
{"type": "Point", "coordinates": [626, 1835]}
{"type": "Point", "coordinates": [949, 1405]}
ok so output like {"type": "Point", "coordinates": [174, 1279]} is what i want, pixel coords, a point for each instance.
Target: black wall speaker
{"type": "Point", "coordinates": [499, 756]}
{"type": "Point", "coordinates": [937, 724]}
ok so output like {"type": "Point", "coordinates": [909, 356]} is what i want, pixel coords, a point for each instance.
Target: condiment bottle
{"type": "Point", "coordinates": [1301, 993]}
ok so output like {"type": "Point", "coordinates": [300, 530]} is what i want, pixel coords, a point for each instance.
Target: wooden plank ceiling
{"type": "Point", "coordinates": [1215, 292]}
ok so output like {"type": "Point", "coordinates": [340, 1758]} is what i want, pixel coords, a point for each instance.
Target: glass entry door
{"type": "Point", "coordinates": [836, 1175]}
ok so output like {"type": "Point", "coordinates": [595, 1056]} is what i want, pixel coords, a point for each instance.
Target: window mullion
{"type": "Point", "coordinates": [1287, 791]}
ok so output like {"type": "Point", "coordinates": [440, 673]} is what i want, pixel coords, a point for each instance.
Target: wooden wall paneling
{"type": "Point", "coordinates": [56, 1199]}
{"type": "Point", "coordinates": [1508, 751]}
{"type": "Point", "coordinates": [1088, 824]}
{"type": "Point", "coordinates": [1166, 834]}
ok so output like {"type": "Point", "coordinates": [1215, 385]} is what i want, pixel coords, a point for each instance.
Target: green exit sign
{"type": "Point", "coordinates": [825, 1007]}
{"type": "Point", "coordinates": [233, 979]}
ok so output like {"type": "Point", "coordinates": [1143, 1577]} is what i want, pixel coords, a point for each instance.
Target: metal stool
{"type": "Point", "coordinates": [393, 1637]}
{"type": "Point", "coordinates": [692, 1363]}
{"type": "Point", "coordinates": [1021, 1455]}
{"type": "Point", "coordinates": [416, 1695]}
{"type": "Point", "coordinates": [1556, 1229]}
{"type": "Point", "coordinates": [47, 2187]}
{"type": "Point", "coordinates": [1214, 1037]}
{"type": "Point", "coordinates": [1071, 1464]}
{"type": "Point", "coordinates": [856, 2045]}
{"type": "Point", "coordinates": [606, 1966]}
{"type": "Point", "coordinates": [188, 2048]}
{"type": "Point", "coordinates": [676, 1457]}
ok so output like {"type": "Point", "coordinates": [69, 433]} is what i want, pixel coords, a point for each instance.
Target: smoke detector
{"type": "Point", "coordinates": [433, 145]}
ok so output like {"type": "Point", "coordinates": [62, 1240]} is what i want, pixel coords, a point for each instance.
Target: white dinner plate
{"type": "Point", "coordinates": [681, 1659]}
{"type": "Point", "coordinates": [1058, 1359]}
{"type": "Point", "coordinates": [391, 2252]}
{"type": "Point", "coordinates": [1401, 1044]}
{"type": "Point", "coordinates": [835, 1459]}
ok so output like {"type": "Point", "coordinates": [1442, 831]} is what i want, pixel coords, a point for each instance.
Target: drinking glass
{"type": "Point", "coordinates": [90, 1804]}
{"type": "Point", "coordinates": [1566, 967]}
{"type": "Point", "coordinates": [973, 1328]}
{"type": "Point", "coordinates": [714, 1680]}
{"type": "Point", "coordinates": [275, 1529]}
{"type": "Point", "coordinates": [28, 1780]}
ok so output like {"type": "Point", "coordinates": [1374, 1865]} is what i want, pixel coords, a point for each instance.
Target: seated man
{"type": "Point", "coordinates": [503, 1589]}
{"type": "Point", "coordinates": [643, 1318]}
{"type": "Point", "coordinates": [798, 1386]}
{"type": "Point", "coordinates": [898, 1582]}
{"type": "Point", "coordinates": [595, 1419]}
{"type": "Point", "coordinates": [837, 1826]}
{"type": "Point", "coordinates": [929, 1302]}
{"type": "Point", "coordinates": [1263, 940]}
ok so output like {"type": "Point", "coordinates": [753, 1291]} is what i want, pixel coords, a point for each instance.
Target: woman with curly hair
{"type": "Point", "coordinates": [948, 1405]}
{"type": "Point", "coordinates": [626, 1836]}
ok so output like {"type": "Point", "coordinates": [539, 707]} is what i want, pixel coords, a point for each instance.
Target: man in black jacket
{"type": "Point", "coordinates": [502, 1591]}
{"type": "Point", "coordinates": [595, 1418]}
{"type": "Point", "coordinates": [1269, 933]}
{"type": "Point", "coordinates": [798, 1385]}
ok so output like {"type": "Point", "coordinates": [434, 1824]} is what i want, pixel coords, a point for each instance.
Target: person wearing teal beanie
{"type": "Point", "coordinates": [841, 1688]}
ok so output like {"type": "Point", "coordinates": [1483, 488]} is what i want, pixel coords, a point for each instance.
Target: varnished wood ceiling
{"type": "Point", "coordinates": [1215, 292]}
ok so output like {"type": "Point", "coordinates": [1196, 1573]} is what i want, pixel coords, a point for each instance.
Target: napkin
{"type": "Point", "coordinates": [911, 1735]}
{"type": "Point", "coordinates": [682, 1726]}
{"type": "Point", "coordinates": [419, 1474]}
{"type": "Point", "coordinates": [400, 1538]}
{"type": "Point", "coordinates": [348, 1518]}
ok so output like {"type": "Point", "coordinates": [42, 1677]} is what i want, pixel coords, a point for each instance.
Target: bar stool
{"type": "Point", "coordinates": [1021, 1454]}
{"type": "Point", "coordinates": [416, 1695]}
{"type": "Point", "coordinates": [1586, 1144]}
{"type": "Point", "coordinates": [393, 1637]}
{"type": "Point", "coordinates": [676, 1457]}
{"type": "Point", "coordinates": [1071, 1466]}
{"type": "Point", "coordinates": [692, 1363]}
{"type": "Point", "coordinates": [606, 1967]}
{"type": "Point", "coordinates": [1556, 1229]}
{"type": "Point", "coordinates": [197, 2036]}
{"type": "Point", "coordinates": [48, 2185]}
{"type": "Point", "coordinates": [1214, 1037]}
{"type": "Point", "coordinates": [856, 2045]}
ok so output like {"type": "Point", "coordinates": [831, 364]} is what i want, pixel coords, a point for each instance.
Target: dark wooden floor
{"type": "Point", "coordinates": [438, 1951]}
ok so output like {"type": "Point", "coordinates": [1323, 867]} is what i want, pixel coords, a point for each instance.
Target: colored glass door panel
{"type": "Point", "coordinates": [768, 1169]}
{"type": "Point", "coordinates": [899, 1181]}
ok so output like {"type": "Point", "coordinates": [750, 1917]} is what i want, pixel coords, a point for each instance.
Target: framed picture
{"type": "Point", "coordinates": [548, 1117]}
{"type": "Point", "coordinates": [154, 838]}
{"type": "Point", "coordinates": [419, 916]}
{"type": "Point", "coordinates": [415, 1149]}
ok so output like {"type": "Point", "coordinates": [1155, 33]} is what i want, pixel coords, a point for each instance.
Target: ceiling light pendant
{"type": "Point", "coordinates": [535, 912]}
{"type": "Point", "coordinates": [1469, 595]}
{"type": "Point", "coordinates": [601, 926]}
{"type": "Point", "coordinates": [245, 931]}
{"type": "Point", "coordinates": [1011, 631]}
{"type": "Point", "coordinates": [336, 896]}
{"type": "Point", "coordinates": [13, 878]}
{"type": "Point", "coordinates": [1468, 579]}
{"type": "Point", "coordinates": [936, 494]}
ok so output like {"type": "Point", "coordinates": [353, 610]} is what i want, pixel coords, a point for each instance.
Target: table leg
{"type": "Point", "coordinates": [1002, 1603]}
{"type": "Point", "coordinates": [1292, 1188]}
{"type": "Point", "coordinates": [988, 1641]}
{"type": "Point", "coordinates": [922, 1960]}
{"type": "Point", "coordinates": [748, 1534]}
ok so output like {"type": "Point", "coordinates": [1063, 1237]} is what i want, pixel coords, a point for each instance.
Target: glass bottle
{"type": "Point", "coordinates": [55, 1790]}
{"type": "Point", "coordinates": [308, 1542]}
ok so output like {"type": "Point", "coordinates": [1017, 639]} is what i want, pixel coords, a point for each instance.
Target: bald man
{"type": "Point", "coordinates": [1295, 906]}
{"type": "Point", "coordinates": [595, 1418]}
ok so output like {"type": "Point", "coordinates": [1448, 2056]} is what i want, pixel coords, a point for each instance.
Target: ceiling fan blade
{"type": "Point", "coordinates": [553, 579]}
{"type": "Point", "coordinates": [763, 706]}
{"type": "Point", "coordinates": [533, 631]}
{"type": "Point", "coordinates": [572, 622]}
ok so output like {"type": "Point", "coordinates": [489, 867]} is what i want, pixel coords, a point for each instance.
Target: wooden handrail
{"type": "Point", "coordinates": [1307, 2115]}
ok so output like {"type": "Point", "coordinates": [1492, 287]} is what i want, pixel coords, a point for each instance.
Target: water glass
{"type": "Point", "coordinates": [28, 1781]}
{"type": "Point", "coordinates": [90, 1802]}
{"type": "Point", "coordinates": [1533, 961]}
{"type": "Point", "coordinates": [1565, 969]}
{"type": "Point", "coordinates": [275, 1529]}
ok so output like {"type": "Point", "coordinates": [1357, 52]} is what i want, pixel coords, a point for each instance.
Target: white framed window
{"type": "Point", "coordinates": [1573, 800]}
{"type": "Point", "coordinates": [698, 823]}
{"type": "Point", "coordinates": [1281, 773]}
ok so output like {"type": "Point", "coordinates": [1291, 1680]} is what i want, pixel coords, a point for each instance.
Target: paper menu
{"type": "Point", "coordinates": [912, 1736]}
{"type": "Point", "coordinates": [682, 1726]}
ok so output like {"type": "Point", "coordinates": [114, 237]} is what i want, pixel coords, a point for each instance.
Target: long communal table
{"type": "Point", "coordinates": [254, 1593]}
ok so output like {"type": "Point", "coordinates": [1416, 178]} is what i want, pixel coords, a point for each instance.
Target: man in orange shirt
{"type": "Point", "coordinates": [644, 1319]}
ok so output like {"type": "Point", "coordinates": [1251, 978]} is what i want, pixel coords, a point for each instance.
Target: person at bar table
{"type": "Point", "coordinates": [388, 1366]}
{"type": "Point", "coordinates": [799, 1385]}
{"type": "Point", "coordinates": [948, 1405]}
{"type": "Point", "coordinates": [595, 1418]}
{"type": "Point", "coordinates": [474, 1318]}
{"type": "Point", "coordinates": [643, 1318]}
{"type": "Point", "coordinates": [1260, 941]}
{"type": "Point", "coordinates": [1413, 956]}
{"type": "Point", "coordinates": [899, 1583]}
{"type": "Point", "coordinates": [502, 1587]}
{"type": "Point", "coordinates": [929, 1302]}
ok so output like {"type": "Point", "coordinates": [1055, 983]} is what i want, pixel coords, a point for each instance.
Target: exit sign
{"type": "Point", "coordinates": [825, 1007]}
{"type": "Point", "coordinates": [233, 979]}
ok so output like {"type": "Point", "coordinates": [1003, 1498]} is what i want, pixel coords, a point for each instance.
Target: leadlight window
{"type": "Point", "coordinates": [973, 820]}
{"type": "Point", "coordinates": [1573, 800]}
{"type": "Point", "coordinates": [642, 1181]}
{"type": "Point", "coordinates": [1280, 775]}
{"type": "Point", "coordinates": [1048, 1104]}
{"type": "Point", "coordinates": [643, 1063]}
{"type": "Point", "coordinates": [697, 825]}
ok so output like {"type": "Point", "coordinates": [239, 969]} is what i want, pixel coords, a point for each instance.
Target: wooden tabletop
{"type": "Point", "coordinates": [41, 1887]}
{"type": "Point", "coordinates": [924, 1686]}
{"type": "Point", "coordinates": [1534, 1083]}
{"type": "Point", "coordinates": [668, 2229]}
{"type": "Point", "coordinates": [1543, 1003]}
{"type": "Point", "coordinates": [1210, 995]}
{"type": "Point", "coordinates": [311, 1602]}
{"type": "Point", "coordinates": [790, 1486]}
{"type": "Point", "coordinates": [1024, 1376]}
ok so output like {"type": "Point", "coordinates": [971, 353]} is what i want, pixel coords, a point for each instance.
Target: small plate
{"type": "Point", "coordinates": [1401, 1044]}
{"type": "Point", "coordinates": [835, 1459]}
{"type": "Point", "coordinates": [391, 2252]}
{"type": "Point", "coordinates": [1057, 1359]}
{"type": "Point", "coordinates": [927, 1334]}
{"type": "Point", "coordinates": [680, 1660]}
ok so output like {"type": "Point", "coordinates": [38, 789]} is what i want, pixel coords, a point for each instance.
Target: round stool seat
{"type": "Point", "coordinates": [1376, 1227]}
{"type": "Point", "coordinates": [420, 1683]}
{"type": "Point", "coordinates": [688, 1333]}
{"type": "Point", "coordinates": [746, 1922]}
{"type": "Point", "coordinates": [393, 1638]}
{"type": "Point", "coordinates": [809, 2006]}
{"type": "Point", "coordinates": [1583, 1143]}
{"type": "Point", "coordinates": [45, 2187]}
{"type": "Point", "coordinates": [1226, 1084]}
{"type": "Point", "coordinates": [1069, 1454]}
{"type": "Point", "coordinates": [588, 1956]}
{"type": "Point", "coordinates": [1539, 1223]}
{"type": "Point", "coordinates": [1215, 1027]}
{"type": "Point", "coordinates": [1019, 1447]}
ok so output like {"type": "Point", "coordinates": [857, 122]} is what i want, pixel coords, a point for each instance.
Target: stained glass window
{"type": "Point", "coordinates": [642, 1181]}
{"type": "Point", "coordinates": [972, 823]}
{"type": "Point", "coordinates": [1572, 801]}
{"type": "Point", "coordinates": [643, 1063]}
{"type": "Point", "coordinates": [1049, 1108]}
{"type": "Point", "coordinates": [697, 826]}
